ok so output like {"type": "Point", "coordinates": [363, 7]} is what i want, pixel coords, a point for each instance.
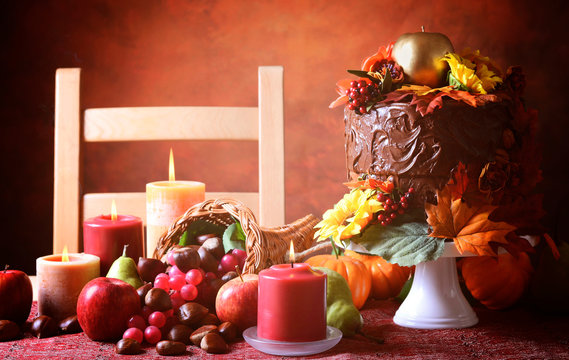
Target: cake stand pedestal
{"type": "Point", "coordinates": [435, 300]}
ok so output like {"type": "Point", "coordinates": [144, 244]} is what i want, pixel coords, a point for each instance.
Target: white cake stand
{"type": "Point", "coordinates": [435, 300]}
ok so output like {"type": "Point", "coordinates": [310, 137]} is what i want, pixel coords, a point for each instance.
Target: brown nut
{"type": "Point", "coordinates": [186, 259]}
{"type": "Point", "coordinates": [128, 346]}
{"type": "Point", "coordinates": [170, 348]}
{"type": "Point", "coordinates": [228, 331]}
{"type": "Point", "coordinates": [202, 238]}
{"type": "Point", "coordinates": [190, 314]}
{"type": "Point", "coordinates": [198, 335]}
{"type": "Point", "coordinates": [215, 246]}
{"type": "Point", "coordinates": [229, 275]}
{"type": "Point", "coordinates": [9, 330]}
{"type": "Point", "coordinates": [180, 333]}
{"type": "Point", "coordinates": [208, 262]}
{"type": "Point", "coordinates": [142, 291]}
{"type": "Point", "coordinates": [213, 343]}
{"type": "Point", "coordinates": [44, 326]}
{"type": "Point", "coordinates": [210, 319]}
{"type": "Point", "coordinates": [158, 299]}
{"type": "Point", "coordinates": [70, 325]}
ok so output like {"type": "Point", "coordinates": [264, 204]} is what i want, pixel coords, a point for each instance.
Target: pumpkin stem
{"type": "Point", "coordinates": [334, 249]}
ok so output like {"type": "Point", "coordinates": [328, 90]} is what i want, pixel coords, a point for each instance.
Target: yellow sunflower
{"type": "Point", "coordinates": [349, 216]}
{"type": "Point", "coordinates": [478, 79]}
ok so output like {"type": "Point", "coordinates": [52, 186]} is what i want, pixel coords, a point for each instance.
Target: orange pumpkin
{"type": "Point", "coordinates": [497, 282]}
{"type": "Point", "coordinates": [387, 279]}
{"type": "Point", "coordinates": [354, 271]}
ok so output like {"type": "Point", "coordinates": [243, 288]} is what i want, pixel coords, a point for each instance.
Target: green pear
{"type": "Point", "coordinates": [124, 268]}
{"type": "Point", "coordinates": [340, 310]}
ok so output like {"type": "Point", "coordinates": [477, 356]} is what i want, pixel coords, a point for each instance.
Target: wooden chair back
{"type": "Point", "coordinates": [263, 123]}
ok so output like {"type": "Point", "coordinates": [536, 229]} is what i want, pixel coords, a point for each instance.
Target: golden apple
{"type": "Point", "coordinates": [419, 55]}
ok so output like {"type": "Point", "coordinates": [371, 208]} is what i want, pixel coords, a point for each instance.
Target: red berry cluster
{"type": "Point", "coordinates": [361, 94]}
{"type": "Point", "coordinates": [391, 207]}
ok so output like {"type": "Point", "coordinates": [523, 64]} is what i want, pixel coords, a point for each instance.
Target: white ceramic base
{"type": "Point", "coordinates": [435, 300]}
{"type": "Point", "coordinates": [284, 348]}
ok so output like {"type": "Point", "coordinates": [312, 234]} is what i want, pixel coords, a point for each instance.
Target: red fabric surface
{"type": "Point", "coordinates": [514, 334]}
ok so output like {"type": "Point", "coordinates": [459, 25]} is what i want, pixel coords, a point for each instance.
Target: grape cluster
{"type": "Point", "coordinates": [158, 317]}
{"type": "Point", "coordinates": [361, 94]}
{"type": "Point", "coordinates": [392, 207]}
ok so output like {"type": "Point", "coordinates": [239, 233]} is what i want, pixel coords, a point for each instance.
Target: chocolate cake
{"type": "Point", "coordinates": [395, 140]}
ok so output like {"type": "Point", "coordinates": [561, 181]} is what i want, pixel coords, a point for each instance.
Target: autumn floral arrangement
{"type": "Point", "coordinates": [483, 207]}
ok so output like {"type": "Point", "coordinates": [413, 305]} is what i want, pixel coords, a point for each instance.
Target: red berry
{"type": "Point", "coordinates": [354, 83]}
{"type": "Point", "coordinates": [403, 200]}
{"type": "Point", "coordinates": [393, 215]}
{"type": "Point", "coordinates": [381, 217]}
{"type": "Point", "coordinates": [157, 319]}
{"type": "Point", "coordinates": [401, 211]}
{"type": "Point", "coordinates": [170, 258]}
{"type": "Point", "coordinates": [363, 110]}
{"type": "Point", "coordinates": [177, 281]}
{"type": "Point", "coordinates": [210, 276]}
{"type": "Point", "coordinates": [152, 334]}
{"type": "Point", "coordinates": [351, 107]}
{"type": "Point", "coordinates": [394, 207]}
{"type": "Point", "coordinates": [189, 292]}
{"type": "Point", "coordinates": [146, 311]}
{"type": "Point", "coordinates": [162, 283]}
{"type": "Point", "coordinates": [194, 277]}
{"type": "Point", "coordinates": [228, 262]}
{"type": "Point", "coordinates": [411, 190]}
{"type": "Point", "coordinates": [388, 201]}
{"type": "Point", "coordinates": [174, 270]}
{"type": "Point", "coordinates": [383, 223]}
{"type": "Point", "coordinates": [133, 333]}
{"type": "Point", "coordinates": [136, 321]}
{"type": "Point", "coordinates": [388, 221]}
{"type": "Point", "coordinates": [380, 197]}
{"type": "Point", "coordinates": [404, 205]}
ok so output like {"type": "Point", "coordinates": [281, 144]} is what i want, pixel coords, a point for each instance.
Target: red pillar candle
{"type": "Point", "coordinates": [292, 303]}
{"type": "Point", "coordinates": [106, 238]}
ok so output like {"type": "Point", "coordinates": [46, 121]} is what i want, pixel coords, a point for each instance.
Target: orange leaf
{"type": "Point", "coordinates": [459, 182]}
{"type": "Point", "coordinates": [467, 225]}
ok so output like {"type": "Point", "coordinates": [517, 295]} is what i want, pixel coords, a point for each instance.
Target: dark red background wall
{"type": "Point", "coordinates": [143, 52]}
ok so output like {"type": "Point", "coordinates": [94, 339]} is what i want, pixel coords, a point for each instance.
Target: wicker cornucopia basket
{"type": "Point", "coordinates": [264, 246]}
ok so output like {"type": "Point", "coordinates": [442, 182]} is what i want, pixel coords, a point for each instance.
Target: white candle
{"type": "Point", "coordinates": [60, 282]}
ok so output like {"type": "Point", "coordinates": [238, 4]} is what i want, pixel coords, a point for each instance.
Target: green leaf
{"type": "Point", "coordinates": [406, 243]}
{"type": "Point", "coordinates": [199, 227]}
{"type": "Point", "coordinates": [453, 81]}
{"type": "Point", "coordinates": [233, 237]}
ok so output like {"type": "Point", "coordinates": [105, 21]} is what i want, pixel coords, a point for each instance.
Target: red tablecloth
{"type": "Point", "coordinates": [518, 333]}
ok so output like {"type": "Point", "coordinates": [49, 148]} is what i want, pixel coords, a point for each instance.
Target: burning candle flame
{"type": "Point", "coordinates": [291, 253]}
{"type": "Point", "coordinates": [171, 172]}
{"type": "Point", "coordinates": [64, 256]}
{"type": "Point", "coordinates": [114, 215]}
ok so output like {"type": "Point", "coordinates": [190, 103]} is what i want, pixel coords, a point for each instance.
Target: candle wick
{"type": "Point", "coordinates": [292, 264]}
{"type": "Point", "coordinates": [6, 268]}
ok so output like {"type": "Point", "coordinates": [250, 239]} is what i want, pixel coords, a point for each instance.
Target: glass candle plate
{"type": "Point", "coordinates": [286, 348]}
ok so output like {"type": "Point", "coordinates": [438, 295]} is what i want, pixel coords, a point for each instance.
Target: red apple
{"type": "Point", "coordinates": [15, 295]}
{"type": "Point", "coordinates": [236, 301]}
{"type": "Point", "coordinates": [104, 307]}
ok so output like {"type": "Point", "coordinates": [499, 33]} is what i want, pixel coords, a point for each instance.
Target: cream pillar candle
{"type": "Point", "coordinates": [165, 202]}
{"type": "Point", "coordinates": [60, 282]}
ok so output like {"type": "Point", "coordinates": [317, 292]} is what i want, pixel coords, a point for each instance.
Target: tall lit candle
{"type": "Point", "coordinates": [292, 303]}
{"type": "Point", "coordinates": [60, 279]}
{"type": "Point", "coordinates": [106, 235]}
{"type": "Point", "coordinates": [166, 201]}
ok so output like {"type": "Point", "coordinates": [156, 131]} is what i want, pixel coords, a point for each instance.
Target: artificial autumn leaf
{"type": "Point", "coordinates": [524, 213]}
{"type": "Point", "coordinates": [515, 245]}
{"type": "Point", "coordinates": [468, 225]}
{"type": "Point", "coordinates": [459, 182]}
{"type": "Point", "coordinates": [369, 183]}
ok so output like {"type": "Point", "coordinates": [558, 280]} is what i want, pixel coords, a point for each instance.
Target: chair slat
{"type": "Point", "coordinates": [134, 203]}
{"type": "Point", "coordinates": [171, 123]}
